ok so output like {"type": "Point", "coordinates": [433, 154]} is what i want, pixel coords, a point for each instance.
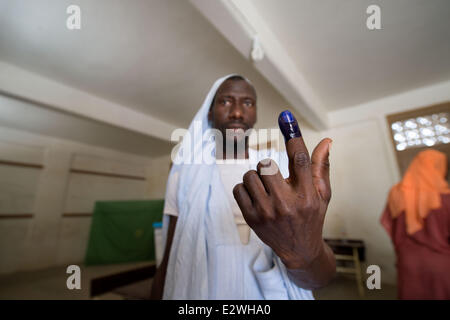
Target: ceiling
{"type": "Point", "coordinates": [160, 57]}
{"type": "Point", "coordinates": [346, 63]}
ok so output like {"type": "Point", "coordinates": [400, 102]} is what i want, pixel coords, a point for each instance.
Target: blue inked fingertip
{"type": "Point", "coordinates": [288, 126]}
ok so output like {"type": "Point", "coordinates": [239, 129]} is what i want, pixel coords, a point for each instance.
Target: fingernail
{"type": "Point", "coordinates": [265, 162]}
{"type": "Point", "coordinates": [330, 145]}
{"type": "Point", "coordinates": [288, 126]}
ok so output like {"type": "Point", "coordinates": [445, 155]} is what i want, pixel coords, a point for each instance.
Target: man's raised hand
{"type": "Point", "coordinates": [288, 214]}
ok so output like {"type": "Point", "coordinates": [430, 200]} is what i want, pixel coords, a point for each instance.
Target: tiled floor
{"type": "Point", "coordinates": [51, 284]}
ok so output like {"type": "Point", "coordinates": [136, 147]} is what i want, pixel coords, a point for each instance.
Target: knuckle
{"type": "Point", "coordinates": [326, 164]}
{"type": "Point", "coordinates": [264, 213]}
{"type": "Point", "coordinates": [301, 159]}
{"type": "Point", "coordinates": [249, 175]}
{"type": "Point", "coordinates": [311, 205]}
{"type": "Point", "coordinates": [323, 165]}
{"type": "Point", "coordinates": [282, 208]}
{"type": "Point", "coordinates": [236, 189]}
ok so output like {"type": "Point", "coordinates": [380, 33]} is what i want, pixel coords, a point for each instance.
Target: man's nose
{"type": "Point", "coordinates": [236, 111]}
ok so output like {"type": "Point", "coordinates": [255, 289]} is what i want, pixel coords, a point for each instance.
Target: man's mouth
{"type": "Point", "coordinates": [236, 126]}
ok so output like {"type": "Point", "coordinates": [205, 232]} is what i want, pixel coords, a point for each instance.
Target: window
{"type": "Point", "coordinates": [427, 130]}
{"type": "Point", "coordinates": [417, 130]}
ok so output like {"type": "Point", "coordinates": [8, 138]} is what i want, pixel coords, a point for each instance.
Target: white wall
{"type": "Point", "coordinates": [49, 239]}
{"type": "Point", "coordinates": [364, 168]}
{"type": "Point", "coordinates": [360, 179]}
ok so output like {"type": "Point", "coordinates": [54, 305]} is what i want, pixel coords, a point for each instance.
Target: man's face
{"type": "Point", "coordinates": [234, 107]}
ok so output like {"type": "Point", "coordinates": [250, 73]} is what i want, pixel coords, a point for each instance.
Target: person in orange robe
{"type": "Point", "coordinates": [417, 218]}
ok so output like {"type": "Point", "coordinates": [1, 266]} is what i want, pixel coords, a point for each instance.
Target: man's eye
{"type": "Point", "coordinates": [226, 102]}
{"type": "Point", "coordinates": [248, 103]}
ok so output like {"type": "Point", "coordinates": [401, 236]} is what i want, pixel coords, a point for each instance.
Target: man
{"type": "Point", "coordinates": [235, 233]}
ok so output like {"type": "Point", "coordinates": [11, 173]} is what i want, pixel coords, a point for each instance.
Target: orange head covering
{"type": "Point", "coordinates": [420, 190]}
